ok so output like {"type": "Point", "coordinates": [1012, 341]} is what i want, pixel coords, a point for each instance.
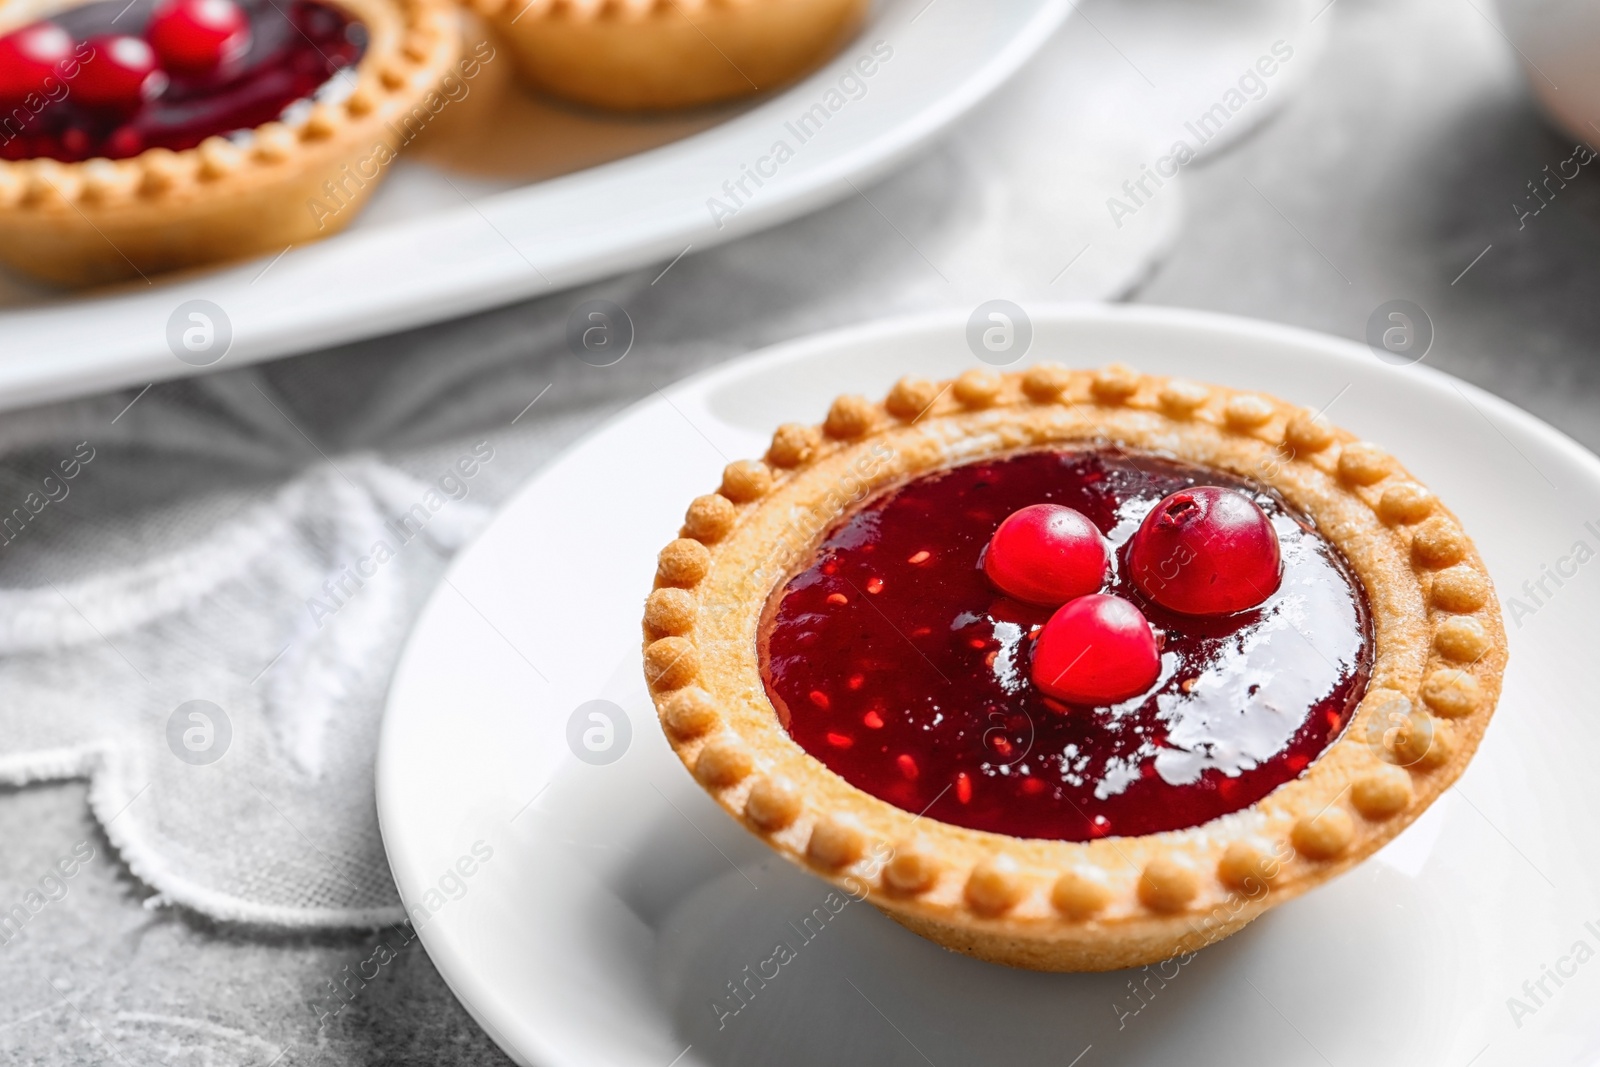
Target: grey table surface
{"type": "Point", "coordinates": [1386, 177]}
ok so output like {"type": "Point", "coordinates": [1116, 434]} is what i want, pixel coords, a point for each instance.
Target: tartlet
{"type": "Point", "coordinates": [644, 55]}
{"type": "Point", "coordinates": [1434, 653]}
{"type": "Point", "coordinates": [238, 192]}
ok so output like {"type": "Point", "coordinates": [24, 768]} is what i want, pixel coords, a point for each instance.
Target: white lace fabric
{"type": "Point", "coordinates": [254, 607]}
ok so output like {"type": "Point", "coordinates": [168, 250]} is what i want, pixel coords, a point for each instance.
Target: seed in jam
{"type": "Point", "coordinates": [1096, 650]}
{"type": "Point", "coordinates": [939, 667]}
{"type": "Point", "coordinates": [1206, 551]}
{"type": "Point", "coordinates": [1046, 554]}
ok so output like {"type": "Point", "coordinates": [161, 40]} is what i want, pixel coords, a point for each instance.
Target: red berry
{"type": "Point", "coordinates": [197, 36]}
{"type": "Point", "coordinates": [1206, 551]}
{"type": "Point", "coordinates": [29, 56]}
{"type": "Point", "coordinates": [1046, 554]}
{"type": "Point", "coordinates": [122, 74]}
{"type": "Point", "coordinates": [1097, 649]}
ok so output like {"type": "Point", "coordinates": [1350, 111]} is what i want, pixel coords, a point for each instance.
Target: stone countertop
{"type": "Point", "coordinates": [1392, 174]}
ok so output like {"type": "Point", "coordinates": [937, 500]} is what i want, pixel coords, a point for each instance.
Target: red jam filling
{"type": "Point", "coordinates": [295, 49]}
{"type": "Point", "coordinates": [893, 659]}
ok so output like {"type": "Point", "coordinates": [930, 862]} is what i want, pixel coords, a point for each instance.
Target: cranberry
{"type": "Point", "coordinates": [1046, 554]}
{"type": "Point", "coordinates": [197, 36]}
{"type": "Point", "coordinates": [121, 76]}
{"type": "Point", "coordinates": [1206, 551]}
{"type": "Point", "coordinates": [1097, 649]}
{"type": "Point", "coordinates": [28, 57]}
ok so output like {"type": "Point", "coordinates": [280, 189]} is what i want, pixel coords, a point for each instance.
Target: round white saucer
{"type": "Point", "coordinates": [592, 913]}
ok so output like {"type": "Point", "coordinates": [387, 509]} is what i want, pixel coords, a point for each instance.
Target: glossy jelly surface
{"type": "Point", "coordinates": [296, 49]}
{"type": "Point", "coordinates": [892, 659]}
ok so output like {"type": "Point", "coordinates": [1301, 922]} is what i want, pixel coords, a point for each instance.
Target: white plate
{"type": "Point", "coordinates": [423, 253]}
{"type": "Point", "coordinates": [619, 901]}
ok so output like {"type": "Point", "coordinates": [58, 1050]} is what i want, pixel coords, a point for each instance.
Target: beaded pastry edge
{"type": "Point", "coordinates": [1439, 653]}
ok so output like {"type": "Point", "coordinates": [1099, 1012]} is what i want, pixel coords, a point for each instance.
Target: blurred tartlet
{"type": "Point", "coordinates": [203, 130]}
{"type": "Point", "coordinates": [646, 55]}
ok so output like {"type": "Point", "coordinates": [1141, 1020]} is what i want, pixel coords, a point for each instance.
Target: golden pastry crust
{"type": "Point", "coordinates": [110, 220]}
{"type": "Point", "coordinates": [1439, 653]}
{"type": "Point", "coordinates": [638, 55]}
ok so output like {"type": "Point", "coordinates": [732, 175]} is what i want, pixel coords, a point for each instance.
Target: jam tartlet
{"type": "Point", "coordinates": [642, 55]}
{"type": "Point", "coordinates": [1072, 670]}
{"type": "Point", "coordinates": [144, 138]}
